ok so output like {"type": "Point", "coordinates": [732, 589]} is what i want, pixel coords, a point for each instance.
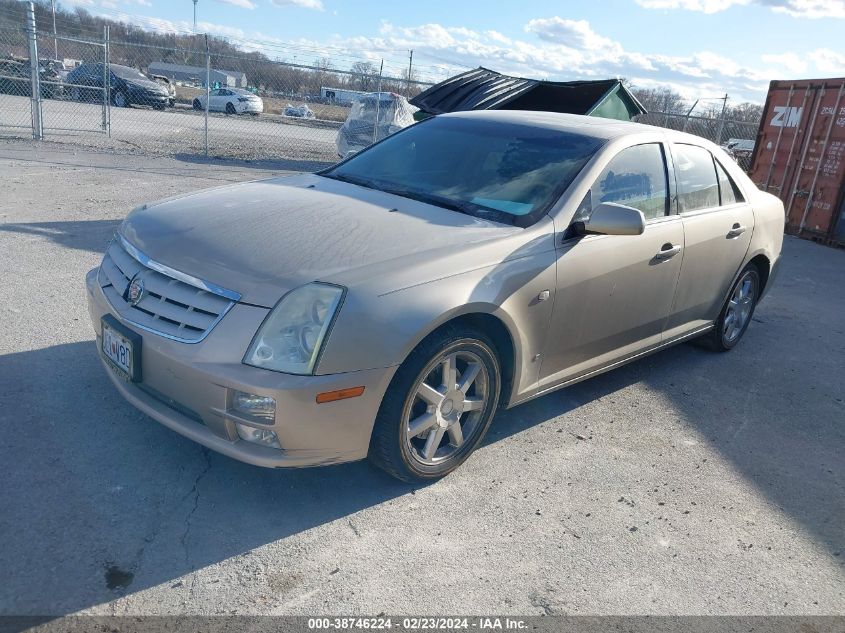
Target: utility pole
{"type": "Point", "coordinates": [410, 67]}
{"type": "Point", "coordinates": [55, 39]}
{"type": "Point", "coordinates": [195, 16]}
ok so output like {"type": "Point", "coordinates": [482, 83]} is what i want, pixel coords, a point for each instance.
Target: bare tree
{"type": "Point", "coordinates": [663, 100]}
{"type": "Point", "coordinates": [364, 76]}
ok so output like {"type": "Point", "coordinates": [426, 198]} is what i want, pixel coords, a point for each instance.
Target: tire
{"type": "Point", "coordinates": [737, 312]}
{"type": "Point", "coordinates": [230, 108]}
{"type": "Point", "coordinates": [159, 106]}
{"type": "Point", "coordinates": [452, 421]}
{"type": "Point", "coordinates": [119, 99]}
{"type": "Point", "coordinates": [76, 94]}
{"type": "Point", "coordinates": [197, 105]}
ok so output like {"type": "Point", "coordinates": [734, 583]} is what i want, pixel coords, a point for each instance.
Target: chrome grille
{"type": "Point", "coordinates": [173, 304]}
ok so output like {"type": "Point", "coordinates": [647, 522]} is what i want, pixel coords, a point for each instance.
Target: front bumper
{"type": "Point", "coordinates": [249, 107]}
{"type": "Point", "coordinates": [188, 388]}
{"type": "Point", "coordinates": [149, 99]}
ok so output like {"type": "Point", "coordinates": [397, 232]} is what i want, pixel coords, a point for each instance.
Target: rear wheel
{"type": "Point", "coordinates": [438, 407]}
{"type": "Point", "coordinates": [119, 99]}
{"type": "Point", "coordinates": [736, 313]}
{"type": "Point", "coordinates": [230, 108]}
{"type": "Point", "coordinates": [76, 94]}
{"type": "Point", "coordinates": [196, 104]}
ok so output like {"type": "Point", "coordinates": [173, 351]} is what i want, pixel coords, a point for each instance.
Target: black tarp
{"type": "Point", "coordinates": [484, 89]}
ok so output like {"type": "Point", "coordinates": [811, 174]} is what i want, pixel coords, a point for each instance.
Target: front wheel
{"type": "Point", "coordinates": [737, 312]}
{"type": "Point", "coordinates": [438, 407]}
{"type": "Point", "coordinates": [119, 99]}
{"type": "Point", "coordinates": [197, 105]}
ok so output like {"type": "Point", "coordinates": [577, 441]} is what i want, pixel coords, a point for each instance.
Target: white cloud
{"type": "Point", "coordinates": [243, 4]}
{"type": "Point", "coordinates": [812, 9]}
{"type": "Point", "coordinates": [317, 5]}
{"type": "Point", "coordinates": [105, 4]}
{"type": "Point", "coordinates": [557, 48]}
{"type": "Point", "coordinates": [704, 6]}
{"type": "Point", "coordinates": [552, 48]}
{"type": "Point", "coordinates": [786, 62]}
{"type": "Point", "coordinates": [808, 8]}
{"type": "Point", "coordinates": [160, 25]}
{"type": "Point", "coordinates": [828, 61]}
{"type": "Point", "coordinates": [572, 33]}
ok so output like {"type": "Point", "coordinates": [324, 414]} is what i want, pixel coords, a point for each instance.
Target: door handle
{"type": "Point", "coordinates": [667, 251]}
{"type": "Point", "coordinates": [736, 230]}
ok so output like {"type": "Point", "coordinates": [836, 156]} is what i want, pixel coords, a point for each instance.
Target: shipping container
{"type": "Point", "coordinates": [800, 155]}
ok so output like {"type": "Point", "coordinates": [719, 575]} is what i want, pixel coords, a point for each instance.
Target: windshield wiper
{"type": "Point", "coordinates": [361, 182]}
{"type": "Point", "coordinates": [461, 206]}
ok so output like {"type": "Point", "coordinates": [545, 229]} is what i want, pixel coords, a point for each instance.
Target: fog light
{"type": "Point", "coordinates": [260, 407]}
{"type": "Point", "coordinates": [264, 437]}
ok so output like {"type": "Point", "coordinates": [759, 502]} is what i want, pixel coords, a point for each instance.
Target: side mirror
{"type": "Point", "coordinates": [610, 218]}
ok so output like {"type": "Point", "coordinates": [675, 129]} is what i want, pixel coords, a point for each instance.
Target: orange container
{"type": "Point", "coordinates": [800, 155]}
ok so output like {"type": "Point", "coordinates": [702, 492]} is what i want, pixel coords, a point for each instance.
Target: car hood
{"type": "Point", "coordinates": [264, 238]}
{"type": "Point", "coordinates": [149, 86]}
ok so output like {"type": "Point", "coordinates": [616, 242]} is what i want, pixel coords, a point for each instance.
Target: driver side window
{"type": "Point", "coordinates": [636, 177]}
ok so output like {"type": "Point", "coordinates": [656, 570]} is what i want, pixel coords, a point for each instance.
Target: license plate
{"type": "Point", "coordinates": [121, 350]}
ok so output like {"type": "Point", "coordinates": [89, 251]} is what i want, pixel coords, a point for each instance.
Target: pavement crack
{"type": "Point", "coordinates": [196, 494]}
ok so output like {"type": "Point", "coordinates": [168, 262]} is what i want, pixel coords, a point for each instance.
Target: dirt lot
{"type": "Point", "coordinates": [687, 482]}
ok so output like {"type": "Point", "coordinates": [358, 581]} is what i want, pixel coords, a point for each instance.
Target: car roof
{"type": "Point", "coordinates": [596, 127]}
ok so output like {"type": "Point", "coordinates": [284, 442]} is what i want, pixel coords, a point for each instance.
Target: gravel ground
{"type": "Point", "coordinates": [685, 483]}
{"type": "Point", "coordinates": [175, 131]}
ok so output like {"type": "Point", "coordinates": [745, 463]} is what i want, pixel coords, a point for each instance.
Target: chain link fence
{"type": "Point", "coordinates": [736, 137]}
{"type": "Point", "coordinates": [16, 85]}
{"type": "Point", "coordinates": [199, 99]}
{"type": "Point", "coordinates": [107, 93]}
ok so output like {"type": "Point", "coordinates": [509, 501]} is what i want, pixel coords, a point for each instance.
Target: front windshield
{"type": "Point", "coordinates": [124, 72]}
{"type": "Point", "coordinates": [501, 171]}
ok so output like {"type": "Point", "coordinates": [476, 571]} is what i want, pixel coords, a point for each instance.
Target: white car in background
{"type": "Point", "coordinates": [231, 101]}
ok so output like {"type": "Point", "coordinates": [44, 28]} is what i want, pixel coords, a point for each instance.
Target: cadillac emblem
{"type": "Point", "coordinates": [135, 291]}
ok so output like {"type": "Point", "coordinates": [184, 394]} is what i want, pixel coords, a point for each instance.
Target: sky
{"type": "Point", "coordinates": [700, 48]}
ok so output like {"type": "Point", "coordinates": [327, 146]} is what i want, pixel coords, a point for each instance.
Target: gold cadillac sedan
{"type": "Point", "coordinates": [388, 306]}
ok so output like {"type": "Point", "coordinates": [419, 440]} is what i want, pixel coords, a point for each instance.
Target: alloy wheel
{"type": "Point", "coordinates": [739, 308]}
{"type": "Point", "coordinates": [446, 406]}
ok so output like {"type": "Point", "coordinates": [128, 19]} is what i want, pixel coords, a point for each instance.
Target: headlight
{"type": "Point", "coordinates": [291, 336]}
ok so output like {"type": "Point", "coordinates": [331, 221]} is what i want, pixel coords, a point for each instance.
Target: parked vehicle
{"type": "Point", "coordinates": [15, 78]}
{"type": "Point", "coordinates": [128, 87]}
{"type": "Point", "coordinates": [231, 101]}
{"type": "Point", "coordinates": [168, 85]}
{"type": "Point", "coordinates": [389, 305]}
{"type": "Point", "coordinates": [741, 150]}
{"type": "Point", "coordinates": [371, 118]}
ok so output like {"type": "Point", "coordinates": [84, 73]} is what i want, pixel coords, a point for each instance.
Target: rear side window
{"type": "Point", "coordinates": [636, 177]}
{"type": "Point", "coordinates": [728, 191]}
{"type": "Point", "coordinates": [695, 170]}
